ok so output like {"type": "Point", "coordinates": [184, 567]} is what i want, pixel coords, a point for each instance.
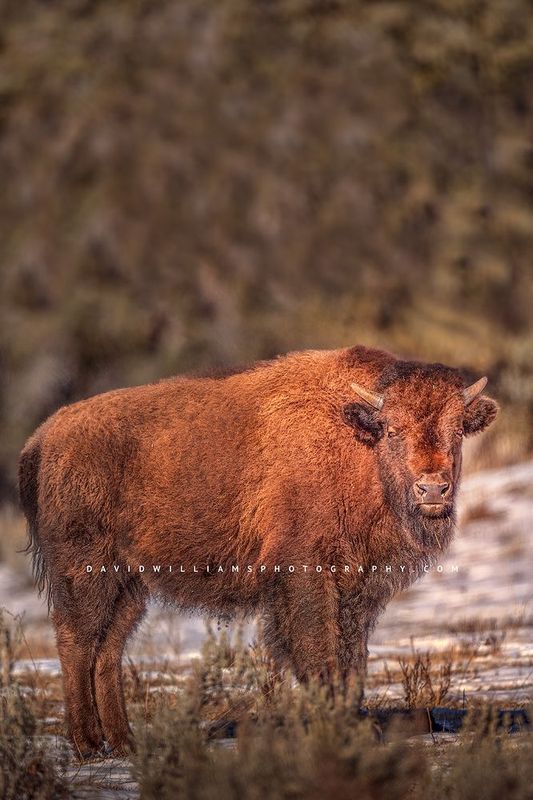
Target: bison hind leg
{"type": "Point", "coordinates": [128, 610]}
{"type": "Point", "coordinates": [77, 633]}
{"type": "Point", "coordinates": [93, 620]}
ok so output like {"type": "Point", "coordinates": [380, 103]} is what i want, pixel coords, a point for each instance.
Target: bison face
{"type": "Point", "coordinates": [416, 425]}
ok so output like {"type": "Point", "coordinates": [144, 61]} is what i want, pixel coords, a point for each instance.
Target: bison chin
{"type": "Point", "coordinates": [435, 510]}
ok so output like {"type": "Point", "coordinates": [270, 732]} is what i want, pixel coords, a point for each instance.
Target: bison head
{"type": "Point", "coordinates": [415, 422]}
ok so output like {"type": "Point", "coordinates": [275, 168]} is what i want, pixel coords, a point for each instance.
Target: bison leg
{"type": "Point", "coordinates": [76, 645]}
{"type": "Point", "coordinates": [128, 611]}
{"type": "Point", "coordinates": [357, 620]}
{"type": "Point", "coordinates": [84, 610]}
{"type": "Point", "coordinates": [302, 627]}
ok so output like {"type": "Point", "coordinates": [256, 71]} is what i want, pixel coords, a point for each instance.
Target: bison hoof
{"type": "Point", "coordinates": [91, 755]}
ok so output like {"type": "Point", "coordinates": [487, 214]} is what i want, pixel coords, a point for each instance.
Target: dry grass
{"type": "Point", "coordinates": [29, 771]}
{"type": "Point", "coordinates": [490, 625]}
{"type": "Point", "coordinates": [305, 742]}
{"type": "Point", "coordinates": [288, 741]}
{"type": "Point", "coordinates": [423, 684]}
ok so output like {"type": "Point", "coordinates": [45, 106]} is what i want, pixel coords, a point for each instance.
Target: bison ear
{"type": "Point", "coordinates": [479, 415]}
{"type": "Point", "coordinates": [368, 429]}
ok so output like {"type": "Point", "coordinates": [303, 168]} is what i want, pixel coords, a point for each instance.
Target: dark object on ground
{"type": "Point", "coordinates": [412, 722]}
{"type": "Point", "coordinates": [440, 719]}
{"type": "Point", "coordinates": [450, 720]}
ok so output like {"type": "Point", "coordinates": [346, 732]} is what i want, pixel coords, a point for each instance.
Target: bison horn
{"type": "Point", "coordinates": [471, 392]}
{"type": "Point", "coordinates": [372, 398]}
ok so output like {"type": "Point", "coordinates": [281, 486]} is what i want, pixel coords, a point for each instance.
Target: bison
{"type": "Point", "coordinates": [340, 457]}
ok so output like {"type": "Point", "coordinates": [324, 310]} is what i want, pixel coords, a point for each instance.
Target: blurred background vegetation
{"type": "Point", "coordinates": [187, 183]}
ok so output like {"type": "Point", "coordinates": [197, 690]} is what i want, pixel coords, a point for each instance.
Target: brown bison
{"type": "Point", "coordinates": [343, 457]}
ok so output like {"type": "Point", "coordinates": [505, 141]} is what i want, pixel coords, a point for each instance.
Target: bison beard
{"type": "Point", "coordinates": [315, 457]}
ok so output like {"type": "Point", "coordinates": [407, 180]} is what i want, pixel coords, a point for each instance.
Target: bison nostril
{"type": "Point", "coordinates": [431, 491]}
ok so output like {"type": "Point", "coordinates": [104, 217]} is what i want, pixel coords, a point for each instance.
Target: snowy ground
{"type": "Point", "coordinates": [479, 618]}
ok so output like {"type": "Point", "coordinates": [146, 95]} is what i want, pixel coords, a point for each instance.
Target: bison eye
{"type": "Point", "coordinates": [459, 433]}
{"type": "Point", "coordinates": [392, 432]}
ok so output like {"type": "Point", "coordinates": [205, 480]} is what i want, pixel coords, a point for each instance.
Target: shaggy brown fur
{"type": "Point", "coordinates": [279, 464]}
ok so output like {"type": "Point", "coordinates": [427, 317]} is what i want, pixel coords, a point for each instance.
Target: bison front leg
{"type": "Point", "coordinates": [356, 621]}
{"type": "Point", "coordinates": [302, 628]}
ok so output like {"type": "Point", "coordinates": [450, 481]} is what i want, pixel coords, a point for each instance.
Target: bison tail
{"type": "Point", "coordinates": [29, 464]}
